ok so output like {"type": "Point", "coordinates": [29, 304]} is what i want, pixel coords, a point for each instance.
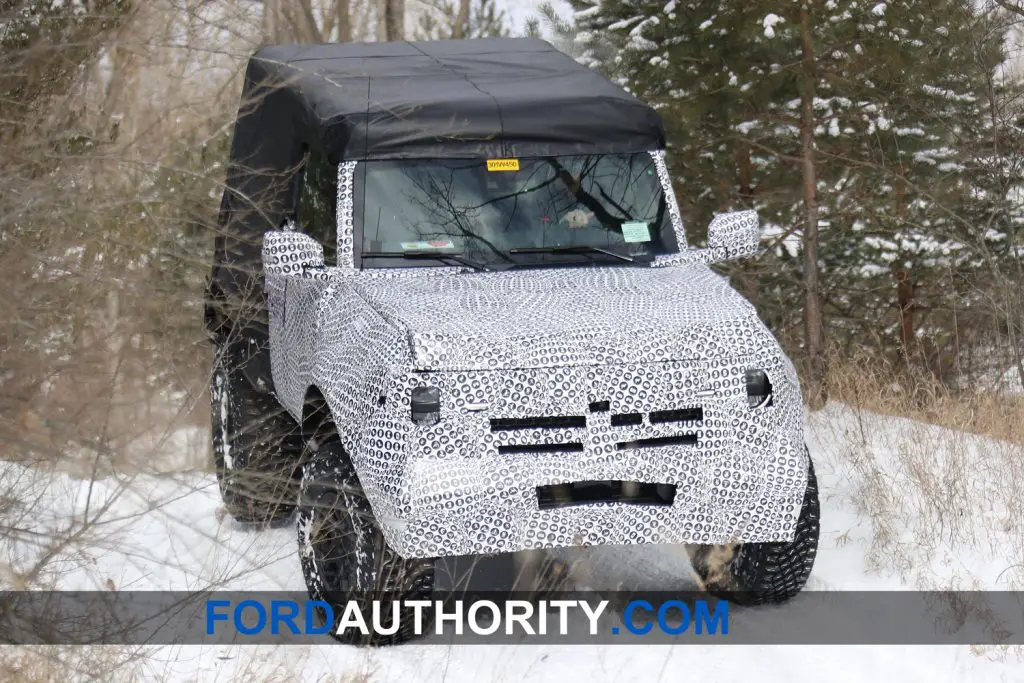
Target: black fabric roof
{"type": "Point", "coordinates": [493, 97]}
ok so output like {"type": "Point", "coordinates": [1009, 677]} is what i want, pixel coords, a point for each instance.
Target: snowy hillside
{"type": "Point", "coordinates": [167, 532]}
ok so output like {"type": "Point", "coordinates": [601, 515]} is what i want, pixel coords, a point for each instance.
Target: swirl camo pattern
{"type": "Point", "coordinates": [670, 345]}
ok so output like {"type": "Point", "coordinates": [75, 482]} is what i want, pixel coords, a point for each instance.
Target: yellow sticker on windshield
{"type": "Point", "coordinates": [503, 164]}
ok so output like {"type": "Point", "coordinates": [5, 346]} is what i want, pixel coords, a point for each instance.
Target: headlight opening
{"type": "Point", "coordinates": [759, 389]}
{"type": "Point", "coordinates": [426, 405]}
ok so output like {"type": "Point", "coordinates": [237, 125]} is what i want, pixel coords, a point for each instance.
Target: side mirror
{"type": "Point", "coordinates": [735, 235]}
{"type": "Point", "coordinates": [292, 253]}
{"type": "Point", "coordinates": [730, 236]}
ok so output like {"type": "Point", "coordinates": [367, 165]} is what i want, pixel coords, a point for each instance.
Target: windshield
{"type": "Point", "coordinates": [489, 212]}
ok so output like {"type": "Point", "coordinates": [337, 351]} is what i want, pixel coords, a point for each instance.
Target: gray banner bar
{"type": "Point", "coordinates": [812, 618]}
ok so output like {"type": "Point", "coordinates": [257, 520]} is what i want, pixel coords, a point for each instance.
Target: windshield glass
{"type": "Point", "coordinates": [487, 211]}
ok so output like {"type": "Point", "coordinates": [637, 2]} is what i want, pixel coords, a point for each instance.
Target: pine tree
{"type": "Point", "coordinates": [899, 136]}
{"type": "Point", "coordinates": [904, 231]}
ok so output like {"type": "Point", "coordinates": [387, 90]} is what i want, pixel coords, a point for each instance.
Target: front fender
{"type": "Point", "coordinates": [358, 352]}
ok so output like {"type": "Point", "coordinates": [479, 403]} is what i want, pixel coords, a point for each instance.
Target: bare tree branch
{"type": "Point", "coordinates": [460, 27]}
{"type": "Point", "coordinates": [1011, 6]}
{"type": "Point", "coordinates": [344, 20]}
{"type": "Point", "coordinates": [394, 19]}
{"type": "Point", "coordinates": [311, 24]}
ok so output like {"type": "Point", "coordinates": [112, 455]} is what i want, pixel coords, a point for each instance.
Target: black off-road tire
{"type": "Point", "coordinates": [763, 573]}
{"type": "Point", "coordinates": [256, 446]}
{"type": "Point", "coordinates": [343, 553]}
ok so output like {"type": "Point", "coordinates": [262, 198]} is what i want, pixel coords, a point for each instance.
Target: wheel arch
{"type": "Point", "coordinates": [318, 418]}
{"type": "Point", "coordinates": [316, 412]}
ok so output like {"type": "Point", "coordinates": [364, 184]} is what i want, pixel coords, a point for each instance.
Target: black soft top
{"type": "Point", "coordinates": [483, 98]}
{"type": "Point", "coordinates": [493, 97]}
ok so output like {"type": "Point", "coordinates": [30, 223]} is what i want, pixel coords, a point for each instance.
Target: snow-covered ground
{"type": "Point", "coordinates": [904, 506]}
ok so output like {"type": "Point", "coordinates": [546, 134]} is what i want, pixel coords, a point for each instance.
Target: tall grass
{"type": "Point", "coordinates": [938, 474]}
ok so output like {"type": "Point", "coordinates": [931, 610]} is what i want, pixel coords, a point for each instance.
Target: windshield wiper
{"type": "Point", "coordinates": [575, 249]}
{"type": "Point", "coordinates": [457, 257]}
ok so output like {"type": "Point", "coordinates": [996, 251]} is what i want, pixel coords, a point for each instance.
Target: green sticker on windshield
{"type": "Point", "coordinates": [432, 244]}
{"type": "Point", "coordinates": [636, 231]}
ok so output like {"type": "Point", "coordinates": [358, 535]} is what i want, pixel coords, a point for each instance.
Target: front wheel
{"type": "Point", "coordinates": [343, 553]}
{"type": "Point", "coordinates": [763, 573]}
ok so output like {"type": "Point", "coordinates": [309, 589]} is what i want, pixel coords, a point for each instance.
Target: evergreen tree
{"type": "Point", "coordinates": [902, 147]}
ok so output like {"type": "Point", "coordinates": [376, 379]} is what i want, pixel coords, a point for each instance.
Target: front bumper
{"type": "Point", "coordinates": [468, 485]}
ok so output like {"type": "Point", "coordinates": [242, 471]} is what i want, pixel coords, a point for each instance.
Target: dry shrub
{"type": "Point", "coordinates": [939, 474]}
{"type": "Point", "coordinates": [103, 345]}
{"type": "Point", "coordinates": [56, 664]}
{"type": "Point", "coordinates": [866, 382]}
{"type": "Point", "coordinates": [153, 664]}
{"type": "Point", "coordinates": [112, 171]}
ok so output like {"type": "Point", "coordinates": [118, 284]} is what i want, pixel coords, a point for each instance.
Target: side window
{"type": "Point", "coordinates": [318, 200]}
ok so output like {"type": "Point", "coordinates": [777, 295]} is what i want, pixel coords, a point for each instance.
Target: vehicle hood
{"type": "Point", "coordinates": [558, 317]}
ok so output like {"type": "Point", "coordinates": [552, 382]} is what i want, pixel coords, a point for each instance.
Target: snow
{"type": "Point", "coordinates": [949, 94]}
{"type": "Point", "coordinates": [168, 532]}
{"type": "Point", "coordinates": [224, 421]}
{"type": "Point", "coordinates": [769, 23]}
{"type": "Point", "coordinates": [1011, 383]}
{"type": "Point", "coordinates": [625, 23]}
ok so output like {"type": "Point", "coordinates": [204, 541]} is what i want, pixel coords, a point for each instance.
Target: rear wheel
{"type": "Point", "coordinates": [343, 552]}
{"type": "Point", "coordinates": [256, 445]}
{"type": "Point", "coordinates": [763, 573]}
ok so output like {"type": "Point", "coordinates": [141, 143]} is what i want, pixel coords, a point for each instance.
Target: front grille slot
{"type": "Point", "coordinates": [682, 415]}
{"type": "Point", "coordinates": [626, 419]}
{"type": "Point", "coordinates": [679, 440]}
{"type": "Point", "coordinates": [610, 491]}
{"type": "Point", "coordinates": [574, 447]}
{"type": "Point", "coordinates": [504, 424]}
